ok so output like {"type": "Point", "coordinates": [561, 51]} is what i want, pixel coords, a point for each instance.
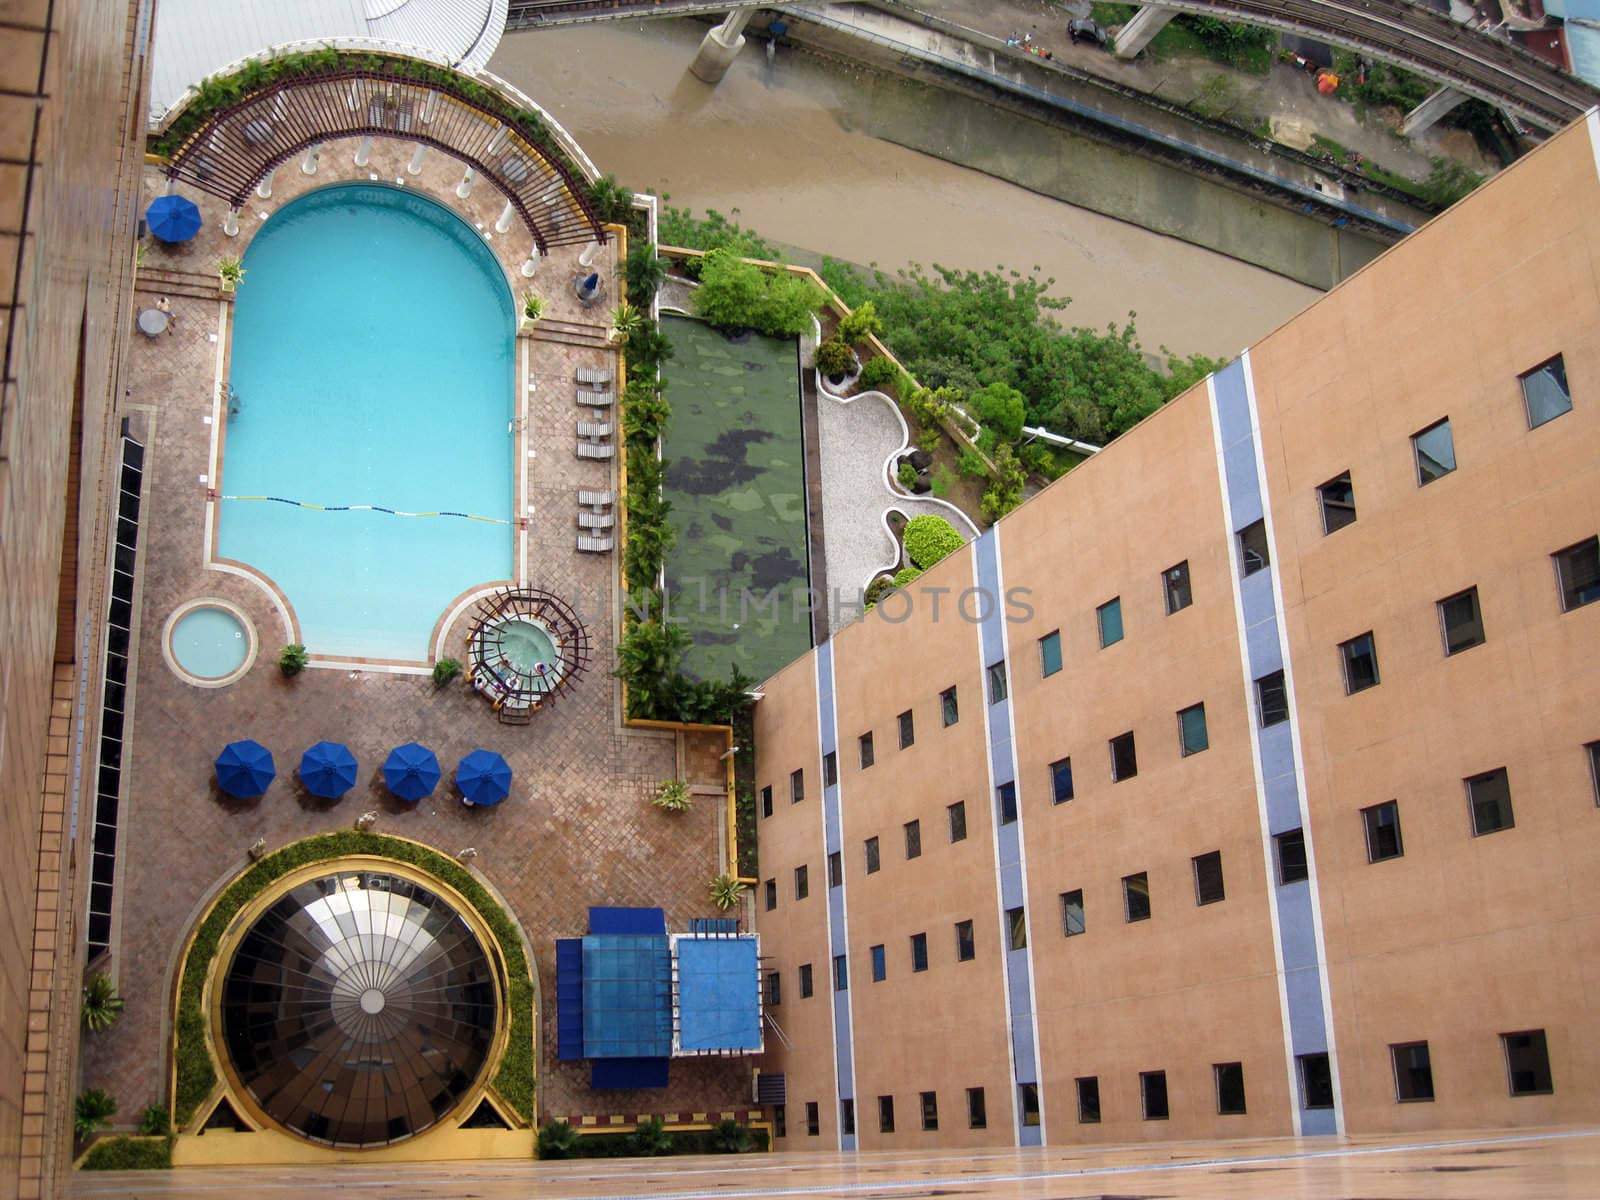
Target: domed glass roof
{"type": "Point", "coordinates": [359, 1009]}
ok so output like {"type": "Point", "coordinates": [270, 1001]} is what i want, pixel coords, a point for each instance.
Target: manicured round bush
{"type": "Point", "coordinates": [905, 575]}
{"type": "Point", "coordinates": [930, 538]}
{"type": "Point", "coordinates": [835, 359]}
{"type": "Point", "coordinates": [879, 373]}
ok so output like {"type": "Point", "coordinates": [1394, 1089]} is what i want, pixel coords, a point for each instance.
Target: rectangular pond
{"type": "Point", "coordinates": [739, 570]}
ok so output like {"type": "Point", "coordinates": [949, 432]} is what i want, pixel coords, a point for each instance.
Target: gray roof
{"type": "Point", "coordinates": [197, 38]}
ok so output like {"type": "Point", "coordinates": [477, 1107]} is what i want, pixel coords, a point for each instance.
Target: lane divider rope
{"type": "Point", "coordinates": [393, 512]}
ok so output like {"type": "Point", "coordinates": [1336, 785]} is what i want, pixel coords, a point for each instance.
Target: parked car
{"type": "Point", "coordinates": [1085, 30]}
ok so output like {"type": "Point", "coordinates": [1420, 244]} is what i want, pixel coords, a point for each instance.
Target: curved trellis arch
{"type": "Point", "coordinates": [237, 145]}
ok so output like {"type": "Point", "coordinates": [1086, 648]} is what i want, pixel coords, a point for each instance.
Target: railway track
{"type": "Point", "coordinates": [1403, 34]}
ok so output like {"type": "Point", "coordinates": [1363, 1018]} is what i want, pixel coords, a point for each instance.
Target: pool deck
{"type": "Point", "coordinates": [577, 828]}
{"type": "Point", "coordinates": [1495, 1165]}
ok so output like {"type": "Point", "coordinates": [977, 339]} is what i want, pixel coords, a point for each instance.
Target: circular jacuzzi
{"type": "Point", "coordinates": [209, 643]}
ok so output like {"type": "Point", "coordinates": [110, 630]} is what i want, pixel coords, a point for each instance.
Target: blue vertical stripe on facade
{"type": "Point", "coordinates": [1008, 837]}
{"type": "Point", "coordinates": [838, 930]}
{"type": "Point", "coordinates": [1263, 649]}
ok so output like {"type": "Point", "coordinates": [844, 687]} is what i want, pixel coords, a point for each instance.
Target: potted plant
{"type": "Point", "coordinates": [230, 271]}
{"type": "Point", "coordinates": [445, 670]}
{"type": "Point", "coordinates": [626, 320]}
{"type": "Point", "coordinates": [672, 796]}
{"type": "Point", "coordinates": [836, 360]}
{"type": "Point", "coordinates": [532, 310]}
{"type": "Point", "coordinates": [292, 659]}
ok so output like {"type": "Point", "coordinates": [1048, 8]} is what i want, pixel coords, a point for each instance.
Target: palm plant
{"type": "Point", "coordinates": [557, 1140]}
{"type": "Point", "coordinates": [610, 199]}
{"type": "Point", "coordinates": [730, 1137]}
{"type": "Point", "coordinates": [651, 1140]}
{"type": "Point", "coordinates": [292, 659]}
{"type": "Point", "coordinates": [100, 1005]}
{"type": "Point", "coordinates": [725, 891]}
{"type": "Point", "coordinates": [645, 273]}
{"type": "Point", "coordinates": [532, 306]}
{"type": "Point", "coordinates": [231, 270]}
{"type": "Point", "coordinates": [93, 1110]}
{"type": "Point", "coordinates": [626, 320]}
{"type": "Point", "coordinates": [672, 796]}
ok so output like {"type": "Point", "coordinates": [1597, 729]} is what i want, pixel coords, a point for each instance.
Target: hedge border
{"type": "Point", "coordinates": [124, 1153]}
{"type": "Point", "coordinates": [195, 1074]}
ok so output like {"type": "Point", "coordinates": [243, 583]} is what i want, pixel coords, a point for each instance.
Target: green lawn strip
{"type": "Point", "coordinates": [196, 1074]}
{"type": "Point", "coordinates": [130, 1154]}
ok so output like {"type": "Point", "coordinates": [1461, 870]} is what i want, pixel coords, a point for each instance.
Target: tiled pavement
{"type": "Point", "coordinates": [577, 828]}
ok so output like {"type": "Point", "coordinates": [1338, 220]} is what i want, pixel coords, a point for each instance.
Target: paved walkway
{"type": "Point", "coordinates": [1528, 1165]}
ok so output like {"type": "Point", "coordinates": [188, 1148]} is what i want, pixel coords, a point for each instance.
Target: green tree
{"type": "Point", "coordinates": [679, 227]}
{"type": "Point", "coordinates": [645, 274]}
{"type": "Point", "coordinates": [1000, 408]}
{"type": "Point", "coordinates": [930, 539]}
{"type": "Point", "coordinates": [1448, 181]}
{"type": "Point", "coordinates": [734, 293]}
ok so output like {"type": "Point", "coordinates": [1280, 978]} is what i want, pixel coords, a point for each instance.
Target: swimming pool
{"type": "Point", "coordinates": [372, 364]}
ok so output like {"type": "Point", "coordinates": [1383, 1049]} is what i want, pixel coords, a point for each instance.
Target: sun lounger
{"type": "Point", "coordinates": [596, 399]}
{"type": "Point", "coordinates": [589, 520]}
{"type": "Point", "coordinates": [592, 376]}
{"type": "Point", "coordinates": [596, 450]}
{"type": "Point", "coordinates": [589, 429]}
{"type": "Point", "coordinates": [596, 500]}
{"type": "Point", "coordinates": [595, 545]}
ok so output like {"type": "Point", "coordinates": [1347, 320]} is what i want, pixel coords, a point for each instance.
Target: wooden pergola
{"type": "Point", "coordinates": [241, 144]}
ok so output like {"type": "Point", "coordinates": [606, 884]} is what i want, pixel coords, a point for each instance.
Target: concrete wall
{"type": "Point", "coordinates": [67, 199]}
{"type": "Point", "coordinates": [1460, 940]}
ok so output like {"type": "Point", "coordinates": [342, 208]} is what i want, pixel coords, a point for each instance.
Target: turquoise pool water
{"type": "Point", "coordinates": [372, 361]}
{"type": "Point", "coordinates": [209, 642]}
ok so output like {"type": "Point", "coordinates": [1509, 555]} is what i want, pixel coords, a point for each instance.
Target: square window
{"type": "Point", "coordinates": [772, 989]}
{"type": "Point", "coordinates": [864, 742]}
{"type": "Point", "coordinates": [1089, 1100]}
{"type": "Point", "coordinates": [830, 769]}
{"type": "Point", "coordinates": [1272, 699]}
{"type": "Point", "coordinates": [841, 974]}
{"type": "Point", "coordinates": [908, 730]}
{"type": "Point", "coordinates": [1230, 1088]}
{"type": "Point", "coordinates": [1360, 658]}
{"type": "Point", "coordinates": [1382, 823]}
{"type": "Point", "coordinates": [1175, 583]}
{"type": "Point", "coordinates": [1593, 749]}
{"type": "Point", "coordinates": [949, 710]}
{"type": "Point", "coordinates": [1072, 922]}
{"type": "Point", "coordinates": [802, 883]}
{"type": "Point", "coordinates": [958, 821]}
{"type": "Point", "coordinates": [1527, 1063]}
{"type": "Point", "coordinates": [1578, 573]}
{"type": "Point", "coordinates": [885, 1114]}
{"type": "Point", "coordinates": [880, 965]}
{"type": "Point", "coordinates": [847, 1117]}
{"type": "Point", "coordinates": [1208, 888]}
{"type": "Point", "coordinates": [1124, 762]}
{"type": "Point", "coordinates": [930, 1111]}
{"type": "Point", "coordinates": [835, 869]}
{"type": "Point", "coordinates": [997, 682]}
{"type": "Point", "coordinates": [1192, 730]}
{"type": "Point", "coordinates": [805, 981]}
{"type": "Point", "coordinates": [1136, 897]}
{"type": "Point", "coordinates": [1028, 1098]}
{"type": "Point", "coordinates": [966, 944]}
{"type": "Point", "coordinates": [1462, 621]}
{"type": "Point", "coordinates": [1338, 498]}
{"type": "Point", "coordinates": [1435, 452]}
{"type": "Point", "coordinates": [1544, 392]}
{"type": "Point", "coordinates": [1253, 553]}
{"type": "Point", "coordinates": [1316, 1080]}
{"type": "Point", "coordinates": [1110, 616]}
{"type": "Point", "coordinates": [1153, 1088]}
{"type": "Point", "coordinates": [1413, 1072]}
{"type": "Point", "coordinates": [919, 952]}
{"type": "Point", "coordinates": [1017, 928]}
{"type": "Point", "coordinates": [1291, 847]}
{"type": "Point", "coordinates": [1006, 799]}
{"type": "Point", "coordinates": [766, 802]}
{"type": "Point", "coordinates": [913, 831]}
{"type": "Point", "coordinates": [1050, 653]}
{"type": "Point", "coordinates": [1061, 780]}
{"type": "Point", "coordinates": [1490, 797]}
{"type": "Point", "coordinates": [813, 1121]}
{"type": "Point", "coordinates": [797, 786]}
{"type": "Point", "coordinates": [977, 1111]}
{"type": "Point", "coordinates": [771, 887]}
{"type": "Point", "coordinates": [872, 855]}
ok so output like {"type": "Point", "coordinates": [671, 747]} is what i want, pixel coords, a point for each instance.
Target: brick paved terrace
{"type": "Point", "coordinates": [577, 829]}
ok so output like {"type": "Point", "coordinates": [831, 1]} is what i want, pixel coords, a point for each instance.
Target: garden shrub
{"type": "Point", "coordinates": [929, 539]}
{"type": "Point", "coordinates": [905, 575]}
{"type": "Point", "coordinates": [92, 1110]}
{"type": "Point", "coordinates": [445, 670]}
{"type": "Point", "coordinates": [716, 1140]}
{"type": "Point", "coordinates": [879, 374]}
{"type": "Point", "coordinates": [650, 1139]}
{"type": "Point", "coordinates": [734, 294]}
{"type": "Point", "coordinates": [907, 475]}
{"type": "Point", "coordinates": [875, 590]}
{"type": "Point", "coordinates": [999, 408]}
{"type": "Point", "coordinates": [292, 659]}
{"type": "Point", "coordinates": [196, 1075]}
{"type": "Point", "coordinates": [971, 465]}
{"type": "Point", "coordinates": [835, 358]}
{"type": "Point", "coordinates": [678, 227]}
{"type": "Point", "coordinates": [130, 1154]}
{"type": "Point", "coordinates": [730, 1137]}
{"type": "Point", "coordinates": [645, 274]}
{"type": "Point", "coordinates": [557, 1140]}
{"type": "Point", "coordinates": [860, 324]}
{"type": "Point", "coordinates": [155, 1121]}
{"type": "Point", "coordinates": [1005, 493]}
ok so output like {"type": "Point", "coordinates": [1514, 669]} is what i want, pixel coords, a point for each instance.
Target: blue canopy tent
{"type": "Point", "coordinates": [244, 769]}
{"type": "Point", "coordinates": [172, 218]}
{"type": "Point", "coordinates": [328, 770]}
{"type": "Point", "coordinates": [483, 777]}
{"type": "Point", "coordinates": [411, 772]}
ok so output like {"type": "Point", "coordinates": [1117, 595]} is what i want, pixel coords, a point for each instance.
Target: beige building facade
{"type": "Point", "coordinates": [1243, 782]}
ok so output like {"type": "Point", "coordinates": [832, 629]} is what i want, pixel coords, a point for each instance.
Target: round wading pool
{"type": "Point", "coordinates": [210, 643]}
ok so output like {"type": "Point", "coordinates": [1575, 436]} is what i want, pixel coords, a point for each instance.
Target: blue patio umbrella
{"type": "Point", "coordinates": [483, 777]}
{"type": "Point", "coordinates": [328, 770]}
{"type": "Point", "coordinates": [172, 218]}
{"type": "Point", "coordinates": [244, 769]}
{"type": "Point", "coordinates": [411, 771]}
